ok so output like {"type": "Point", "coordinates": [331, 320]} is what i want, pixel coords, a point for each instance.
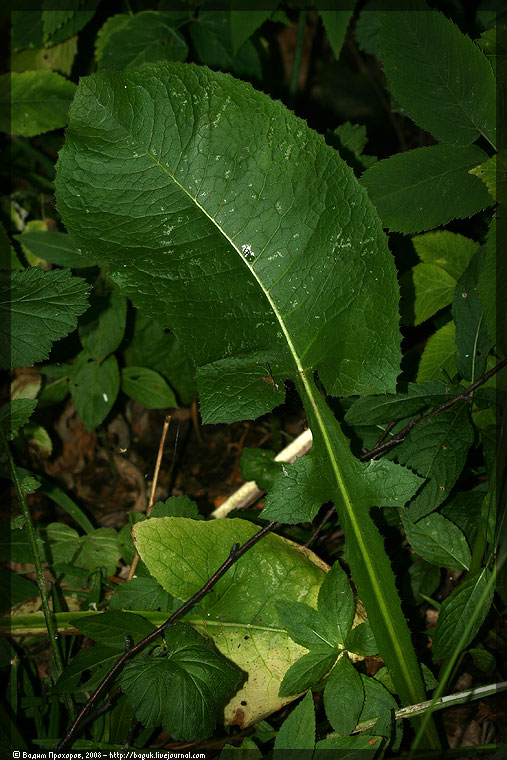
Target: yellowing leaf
{"type": "Point", "coordinates": [239, 614]}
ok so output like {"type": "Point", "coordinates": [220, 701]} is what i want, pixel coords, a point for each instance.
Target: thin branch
{"type": "Point", "coordinates": [381, 448]}
{"type": "Point", "coordinates": [235, 553]}
{"type": "Point", "coordinates": [326, 517]}
{"type": "Point", "coordinates": [163, 435]}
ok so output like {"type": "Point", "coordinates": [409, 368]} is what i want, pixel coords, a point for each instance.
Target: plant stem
{"type": "Point", "coordinates": [370, 566]}
{"type": "Point", "coordinates": [41, 583]}
{"type": "Point", "coordinates": [235, 553]}
{"type": "Point", "coordinates": [298, 53]}
{"type": "Point", "coordinates": [32, 540]}
{"type": "Point", "coordinates": [457, 652]}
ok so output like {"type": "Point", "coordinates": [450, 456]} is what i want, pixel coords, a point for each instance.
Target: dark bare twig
{"type": "Point", "coordinates": [320, 526]}
{"type": "Point", "coordinates": [381, 448]}
{"type": "Point", "coordinates": [235, 553]}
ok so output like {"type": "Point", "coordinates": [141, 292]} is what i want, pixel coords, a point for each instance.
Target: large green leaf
{"type": "Point", "coordinates": [224, 217]}
{"type": "Point", "coordinates": [38, 308]}
{"type": "Point", "coordinates": [240, 614]}
{"type": "Point", "coordinates": [427, 187]}
{"type": "Point", "coordinates": [439, 75]}
{"type": "Point", "coordinates": [242, 218]}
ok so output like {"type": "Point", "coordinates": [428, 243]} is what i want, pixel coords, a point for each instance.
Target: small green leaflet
{"type": "Point", "coordinates": [454, 616]}
{"type": "Point", "coordinates": [324, 631]}
{"type": "Point", "coordinates": [438, 359]}
{"type": "Point", "coordinates": [427, 187]}
{"type": "Point", "coordinates": [343, 696]}
{"type": "Point", "coordinates": [147, 387]}
{"type": "Point", "coordinates": [335, 24]}
{"type": "Point", "coordinates": [129, 40]}
{"type": "Point", "coordinates": [15, 414]}
{"type": "Point", "coordinates": [32, 298]}
{"type": "Point", "coordinates": [423, 54]}
{"type": "Point", "coordinates": [436, 448]}
{"type": "Point", "coordinates": [473, 341]}
{"type": "Point", "coordinates": [140, 593]}
{"type": "Point", "coordinates": [297, 732]}
{"type": "Point", "coordinates": [39, 100]}
{"type": "Point", "coordinates": [410, 400]}
{"type": "Point", "coordinates": [183, 691]}
{"type": "Point", "coordinates": [438, 540]}
{"type": "Point", "coordinates": [110, 628]}
{"type": "Point", "coordinates": [94, 387]}
{"type": "Point", "coordinates": [101, 330]}
{"type": "Point", "coordinates": [245, 23]}
{"type": "Point", "coordinates": [56, 247]}
{"type": "Point", "coordinates": [211, 34]}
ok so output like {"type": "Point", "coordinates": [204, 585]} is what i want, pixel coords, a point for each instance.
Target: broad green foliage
{"type": "Point", "coordinates": [456, 618]}
{"type": "Point", "coordinates": [255, 224]}
{"type": "Point", "coordinates": [57, 58]}
{"type": "Point", "coordinates": [215, 246]}
{"type": "Point", "coordinates": [56, 247]}
{"type": "Point", "coordinates": [240, 614]}
{"type": "Point", "coordinates": [439, 75]}
{"type": "Point", "coordinates": [125, 41]}
{"type": "Point", "coordinates": [192, 667]}
{"type": "Point", "coordinates": [436, 450]}
{"type": "Point", "coordinates": [221, 193]}
{"type": "Point", "coordinates": [298, 730]}
{"type": "Point", "coordinates": [32, 298]}
{"type": "Point", "coordinates": [94, 387]}
{"type": "Point", "coordinates": [39, 101]}
{"type": "Point", "coordinates": [426, 187]}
